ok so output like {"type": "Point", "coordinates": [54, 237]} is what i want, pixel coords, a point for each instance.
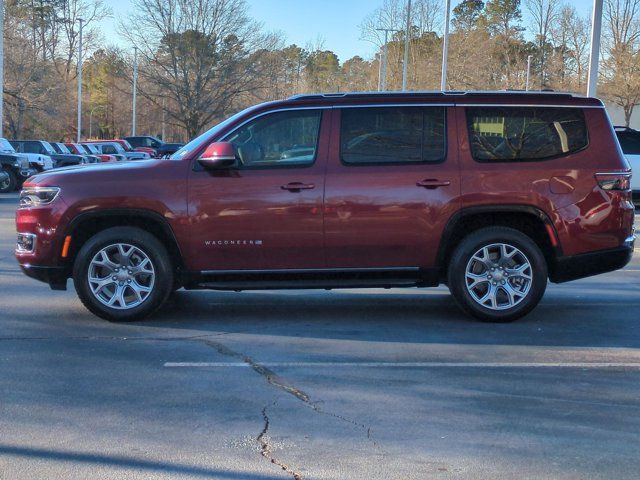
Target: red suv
{"type": "Point", "coordinates": [489, 193]}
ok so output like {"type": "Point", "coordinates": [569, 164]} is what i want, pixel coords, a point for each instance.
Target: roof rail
{"type": "Point", "coordinates": [434, 93]}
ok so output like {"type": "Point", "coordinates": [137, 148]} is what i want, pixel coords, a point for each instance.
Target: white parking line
{"type": "Point", "coordinates": [635, 365]}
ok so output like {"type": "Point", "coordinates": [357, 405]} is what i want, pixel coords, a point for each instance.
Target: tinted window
{"type": "Point", "coordinates": [109, 149]}
{"type": "Point", "coordinates": [135, 142]}
{"type": "Point", "coordinates": [525, 133]}
{"type": "Point", "coordinates": [32, 147]}
{"type": "Point", "coordinates": [630, 142]}
{"type": "Point", "coordinates": [392, 135]}
{"type": "Point", "coordinates": [278, 139]}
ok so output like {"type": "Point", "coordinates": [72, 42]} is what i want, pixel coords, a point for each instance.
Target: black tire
{"type": "Point", "coordinates": [11, 184]}
{"type": "Point", "coordinates": [146, 243]}
{"type": "Point", "coordinates": [474, 242]}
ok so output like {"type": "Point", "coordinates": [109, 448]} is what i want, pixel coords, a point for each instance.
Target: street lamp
{"type": "Point", "coordinates": [594, 54]}
{"type": "Point", "coordinates": [383, 81]}
{"type": "Point", "coordinates": [1, 65]}
{"type": "Point", "coordinates": [135, 89]}
{"type": "Point", "coordinates": [79, 81]}
{"type": "Point", "coordinates": [405, 64]}
{"type": "Point", "coordinates": [445, 47]}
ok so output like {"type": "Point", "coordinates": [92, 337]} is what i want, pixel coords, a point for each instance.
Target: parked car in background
{"type": "Point", "coordinates": [64, 157]}
{"type": "Point", "coordinates": [168, 149]}
{"type": "Point", "coordinates": [630, 142]}
{"type": "Point", "coordinates": [492, 194]}
{"type": "Point", "coordinates": [94, 150]}
{"type": "Point", "coordinates": [111, 147]}
{"type": "Point", "coordinates": [80, 150]}
{"type": "Point", "coordinates": [148, 143]}
{"type": "Point", "coordinates": [34, 151]}
{"type": "Point", "coordinates": [14, 168]}
{"type": "Point", "coordinates": [114, 150]}
{"type": "Point", "coordinates": [131, 153]}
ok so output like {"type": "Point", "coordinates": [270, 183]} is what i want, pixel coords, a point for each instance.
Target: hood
{"type": "Point", "coordinates": [95, 172]}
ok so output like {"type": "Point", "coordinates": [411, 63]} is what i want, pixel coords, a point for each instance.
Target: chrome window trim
{"type": "Point", "coordinates": [525, 105]}
{"type": "Point", "coordinates": [389, 105]}
{"type": "Point", "coordinates": [400, 104]}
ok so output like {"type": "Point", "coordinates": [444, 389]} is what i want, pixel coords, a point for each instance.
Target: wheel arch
{"type": "Point", "coordinates": [87, 224]}
{"type": "Point", "coordinates": [528, 219]}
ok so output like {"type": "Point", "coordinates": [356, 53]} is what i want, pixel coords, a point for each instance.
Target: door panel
{"type": "Point", "coordinates": [266, 214]}
{"type": "Point", "coordinates": [388, 214]}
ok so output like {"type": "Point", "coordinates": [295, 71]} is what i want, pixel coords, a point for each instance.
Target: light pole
{"type": "Point", "coordinates": [80, 82]}
{"type": "Point", "coordinates": [163, 122]}
{"type": "Point", "coordinates": [1, 65]}
{"type": "Point", "coordinates": [383, 82]}
{"type": "Point", "coordinates": [406, 47]}
{"type": "Point", "coordinates": [594, 55]}
{"type": "Point", "coordinates": [135, 88]}
{"type": "Point", "coordinates": [526, 87]}
{"type": "Point", "coordinates": [445, 47]}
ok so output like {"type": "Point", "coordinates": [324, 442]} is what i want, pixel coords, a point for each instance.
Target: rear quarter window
{"type": "Point", "coordinates": [504, 134]}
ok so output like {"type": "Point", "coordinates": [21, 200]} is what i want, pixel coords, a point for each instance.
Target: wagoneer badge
{"type": "Point", "coordinates": [213, 243]}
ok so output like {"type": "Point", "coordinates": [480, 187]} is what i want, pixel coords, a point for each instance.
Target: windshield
{"type": "Point", "coordinates": [196, 142]}
{"type": "Point", "coordinates": [48, 148]}
{"type": "Point", "coordinates": [5, 146]}
{"type": "Point", "coordinates": [62, 148]}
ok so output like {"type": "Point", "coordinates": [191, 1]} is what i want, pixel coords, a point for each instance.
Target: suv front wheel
{"type": "Point", "coordinates": [123, 274]}
{"type": "Point", "coordinates": [497, 274]}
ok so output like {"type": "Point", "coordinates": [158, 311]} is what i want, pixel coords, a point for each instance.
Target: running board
{"type": "Point", "coordinates": [312, 278]}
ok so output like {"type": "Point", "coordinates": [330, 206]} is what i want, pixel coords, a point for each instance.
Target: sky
{"type": "Point", "coordinates": [334, 22]}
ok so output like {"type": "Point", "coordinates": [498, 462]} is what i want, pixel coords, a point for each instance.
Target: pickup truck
{"type": "Point", "coordinates": [14, 168]}
{"type": "Point", "coordinates": [39, 155]}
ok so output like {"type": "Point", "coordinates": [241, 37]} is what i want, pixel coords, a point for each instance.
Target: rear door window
{"type": "Point", "coordinates": [387, 135]}
{"type": "Point", "coordinates": [525, 133]}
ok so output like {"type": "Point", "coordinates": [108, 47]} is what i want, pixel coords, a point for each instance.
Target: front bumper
{"type": "Point", "coordinates": [56, 277]}
{"type": "Point", "coordinates": [593, 263]}
{"type": "Point", "coordinates": [29, 172]}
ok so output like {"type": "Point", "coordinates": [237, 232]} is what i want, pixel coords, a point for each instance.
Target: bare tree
{"type": "Point", "coordinates": [201, 54]}
{"type": "Point", "coordinates": [622, 59]}
{"type": "Point", "coordinates": [570, 34]}
{"type": "Point", "coordinates": [544, 14]}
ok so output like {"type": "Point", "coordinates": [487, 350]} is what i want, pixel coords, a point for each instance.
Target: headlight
{"type": "Point", "coordinates": [36, 196]}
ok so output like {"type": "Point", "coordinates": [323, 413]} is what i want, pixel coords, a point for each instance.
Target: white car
{"type": "Point", "coordinates": [32, 150]}
{"type": "Point", "coordinates": [630, 142]}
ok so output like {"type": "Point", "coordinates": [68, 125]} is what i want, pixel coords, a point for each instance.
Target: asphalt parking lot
{"type": "Point", "coordinates": [362, 384]}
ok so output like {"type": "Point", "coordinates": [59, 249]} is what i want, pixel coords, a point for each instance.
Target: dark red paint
{"type": "Point", "coordinates": [344, 216]}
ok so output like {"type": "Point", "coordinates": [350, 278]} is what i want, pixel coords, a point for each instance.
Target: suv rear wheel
{"type": "Point", "coordinates": [123, 274]}
{"type": "Point", "coordinates": [497, 274]}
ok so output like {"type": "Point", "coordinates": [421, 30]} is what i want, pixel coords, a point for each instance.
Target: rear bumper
{"type": "Point", "coordinates": [592, 263]}
{"type": "Point", "coordinates": [56, 277]}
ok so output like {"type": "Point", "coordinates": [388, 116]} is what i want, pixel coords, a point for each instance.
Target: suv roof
{"type": "Point", "coordinates": [507, 96]}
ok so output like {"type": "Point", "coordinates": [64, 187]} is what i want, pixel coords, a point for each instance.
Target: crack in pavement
{"type": "Point", "coordinates": [265, 447]}
{"type": "Point", "coordinates": [275, 380]}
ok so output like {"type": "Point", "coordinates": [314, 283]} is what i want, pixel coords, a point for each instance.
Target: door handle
{"type": "Point", "coordinates": [297, 186]}
{"type": "Point", "coordinates": [432, 183]}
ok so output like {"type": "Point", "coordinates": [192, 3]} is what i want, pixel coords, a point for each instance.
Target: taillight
{"type": "Point", "coordinates": [614, 181]}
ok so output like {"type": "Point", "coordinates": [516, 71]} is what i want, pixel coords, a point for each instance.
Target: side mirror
{"type": "Point", "coordinates": [219, 155]}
